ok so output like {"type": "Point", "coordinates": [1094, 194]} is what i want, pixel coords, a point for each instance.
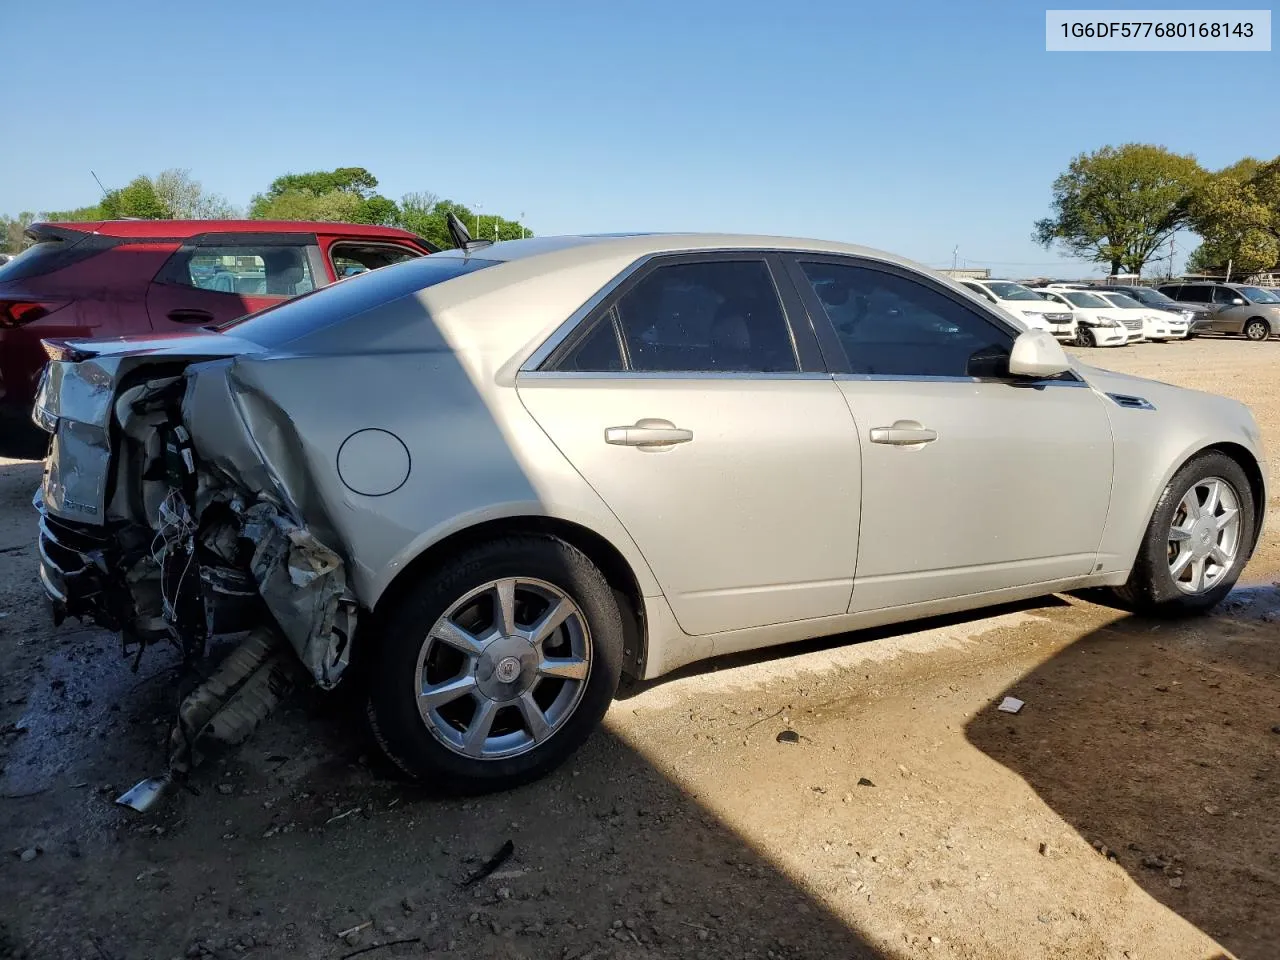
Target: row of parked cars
{"type": "Point", "coordinates": [1092, 315]}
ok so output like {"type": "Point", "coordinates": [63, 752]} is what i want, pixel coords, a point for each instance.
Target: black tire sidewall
{"type": "Point", "coordinates": [392, 707]}
{"type": "Point", "coordinates": [1151, 587]}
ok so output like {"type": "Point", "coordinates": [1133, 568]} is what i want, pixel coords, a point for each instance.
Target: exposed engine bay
{"type": "Point", "coordinates": [146, 532]}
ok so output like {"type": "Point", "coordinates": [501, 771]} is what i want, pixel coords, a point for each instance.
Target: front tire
{"type": "Point", "coordinates": [1085, 337]}
{"type": "Point", "coordinates": [1200, 536]}
{"type": "Point", "coordinates": [1257, 330]}
{"type": "Point", "coordinates": [497, 666]}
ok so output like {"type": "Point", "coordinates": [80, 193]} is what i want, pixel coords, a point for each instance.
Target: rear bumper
{"type": "Point", "coordinates": [75, 567]}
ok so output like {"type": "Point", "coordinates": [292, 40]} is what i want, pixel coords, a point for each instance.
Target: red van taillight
{"type": "Point", "coordinates": [17, 313]}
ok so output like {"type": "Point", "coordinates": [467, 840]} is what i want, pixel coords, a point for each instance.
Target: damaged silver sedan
{"type": "Point", "coordinates": [504, 476]}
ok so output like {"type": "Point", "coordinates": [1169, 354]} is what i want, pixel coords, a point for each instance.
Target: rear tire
{"type": "Point", "coordinates": [1152, 587]}
{"type": "Point", "coordinates": [519, 739]}
{"type": "Point", "coordinates": [1257, 330]}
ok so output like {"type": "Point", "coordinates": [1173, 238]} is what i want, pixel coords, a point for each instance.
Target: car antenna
{"type": "Point", "coordinates": [461, 237]}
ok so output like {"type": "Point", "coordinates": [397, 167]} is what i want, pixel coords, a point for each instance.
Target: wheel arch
{"type": "Point", "coordinates": [1247, 462]}
{"type": "Point", "coordinates": [598, 549]}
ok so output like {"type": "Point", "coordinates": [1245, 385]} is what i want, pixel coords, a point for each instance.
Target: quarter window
{"type": "Point", "coordinates": [703, 317]}
{"type": "Point", "coordinates": [890, 325]}
{"type": "Point", "coordinates": [247, 271]}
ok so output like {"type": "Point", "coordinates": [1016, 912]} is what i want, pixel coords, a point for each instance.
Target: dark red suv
{"type": "Point", "coordinates": [111, 278]}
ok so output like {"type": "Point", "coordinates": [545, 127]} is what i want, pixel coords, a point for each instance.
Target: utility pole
{"type": "Point", "coordinates": [1171, 256]}
{"type": "Point", "coordinates": [522, 230]}
{"type": "Point", "coordinates": [955, 252]}
{"type": "Point", "coordinates": [1229, 263]}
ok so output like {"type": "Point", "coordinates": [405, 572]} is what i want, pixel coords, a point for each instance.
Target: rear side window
{"type": "Point", "coordinates": [287, 321]}
{"type": "Point", "coordinates": [1193, 293]}
{"type": "Point", "coordinates": [350, 259]}
{"type": "Point", "coordinates": [700, 317]}
{"type": "Point", "coordinates": [267, 271]}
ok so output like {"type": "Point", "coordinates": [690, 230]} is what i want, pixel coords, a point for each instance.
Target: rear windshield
{"type": "Point", "coordinates": [46, 256]}
{"type": "Point", "coordinates": [284, 322]}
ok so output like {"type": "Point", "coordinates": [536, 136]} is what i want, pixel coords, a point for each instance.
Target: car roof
{"type": "Point", "coordinates": [568, 250]}
{"type": "Point", "coordinates": [182, 229]}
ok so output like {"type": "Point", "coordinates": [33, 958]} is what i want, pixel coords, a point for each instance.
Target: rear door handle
{"type": "Point", "coordinates": [904, 433]}
{"type": "Point", "coordinates": [190, 316]}
{"type": "Point", "coordinates": [647, 433]}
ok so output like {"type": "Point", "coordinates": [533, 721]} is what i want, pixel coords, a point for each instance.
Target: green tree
{"type": "Point", "coordinates": [138, 199]}
{"type": "Point", "coordinates": [78, 215]}
{"type": "Point", "coordinates": [346, 193]}
{"type": "Point", "coordinates": [11, 232]}
{"type": "Point", "coordinates": [427, 216]}
{"type": "Point", "coordinates": [1237, 214]}
{"type": "Point", "coordinates": [1118, 205]}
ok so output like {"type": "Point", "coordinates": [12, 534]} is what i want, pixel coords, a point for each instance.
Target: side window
{"type": "Point", "coordinates": [246, 271]}
{"type": "Point", "coordinates": [1224, 295]}
{"type": "Point", "coordinates": [890, 325]}
{"type": "Point", "coordinates": [1195, 294]}
{"type": "Point", "coordinates": [350, 259]}
{"type": "Point", "coordinates": [703, 317]}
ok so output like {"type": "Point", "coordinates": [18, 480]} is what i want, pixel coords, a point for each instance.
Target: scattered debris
{"type": "Point", "coordinates": [142, 796]}
{"type": "Point", "coordinates": [1044, 849]}
{"type": "Point", "coordinates": [493, 863]}
{"type": "Point", "coordinates": [788, 736]}
{"type": "Point", "coordinates": [342, 816]}
{"type": "Point", "coordinates": [356, 929]}
{"type": "Point", "coordinates": [864, 782]}
{"type": "Point", "coordinates": [1010, 705]}
{"type": "Point", "coordinates": [775, 713]}
{"type": "Point", "coordinates": [29, 854]}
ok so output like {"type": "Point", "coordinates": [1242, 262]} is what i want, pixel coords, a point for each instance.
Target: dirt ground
{"type": "Point", "coordinates": [1130, 810]}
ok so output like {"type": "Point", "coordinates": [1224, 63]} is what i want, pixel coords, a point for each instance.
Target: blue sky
{"type": "Point", "coordinates": [913, 127]}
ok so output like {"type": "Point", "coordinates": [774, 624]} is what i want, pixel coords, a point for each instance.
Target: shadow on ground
{"type": "Point", "coordinates": [1161, 741]}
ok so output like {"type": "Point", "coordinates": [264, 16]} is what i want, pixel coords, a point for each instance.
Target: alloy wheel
{"type": "Point", "coordinates": [503, 668]}
{"type": "Point", "coordinates": [1204, 536]}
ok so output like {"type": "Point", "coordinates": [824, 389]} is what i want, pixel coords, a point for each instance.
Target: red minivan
{"type": "Point", "coordinates": [118, 277]}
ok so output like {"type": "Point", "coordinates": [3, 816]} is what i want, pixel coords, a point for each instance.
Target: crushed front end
{"type": "Point", "coordinates": [163, 536]}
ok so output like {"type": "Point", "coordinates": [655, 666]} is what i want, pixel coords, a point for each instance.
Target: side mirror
{"type": "Point", "coordinates": [1237, 302]}
{"type": "Point", "coordinates": [1037, 354]}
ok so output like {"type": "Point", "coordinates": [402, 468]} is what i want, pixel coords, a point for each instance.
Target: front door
{"type": "Point", "coordinates": [734, 469]}
{"type": "Point", "coordinates": [227, 276]}
{"type": "Point", "coordinates": [972, 481]}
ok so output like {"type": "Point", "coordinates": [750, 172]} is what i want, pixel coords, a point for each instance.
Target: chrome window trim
{"type": "Point", "coordinates": [920, 378]}
{"type": "Point", "coordinates": [539, 356]}
{"type": "Point", "coordinates": [670, 375]}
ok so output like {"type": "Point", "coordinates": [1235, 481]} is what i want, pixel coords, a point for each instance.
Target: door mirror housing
{"type": "Point", "coordinates": [1037, 354]}
{"type": "Point", "coordinates": [1237, 302]}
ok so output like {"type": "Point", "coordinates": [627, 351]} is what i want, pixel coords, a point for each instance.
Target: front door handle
{"type": "Point", "coordinates": [190, 316]}
{"type": "Point", "coordinates": [904, 433]}
{"type": "Point", "coordinates": [647, 433]}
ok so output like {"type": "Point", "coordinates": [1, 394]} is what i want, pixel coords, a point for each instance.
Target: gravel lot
{"type": "Point", "coordinates": [1129, 811]}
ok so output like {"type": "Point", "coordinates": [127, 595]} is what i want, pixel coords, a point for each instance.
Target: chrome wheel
{"type": "Point", "coordinates": [1204, 536]}
{"type": "Point", "coordinates": [503, 669]}
{"type": "Point", "coordinates": [1257, 330]}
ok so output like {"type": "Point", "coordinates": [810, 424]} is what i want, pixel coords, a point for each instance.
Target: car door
{"type": "Point", "coordinates": [972, 480]}
{"type": "Point", "coordinates": [1228, 314]}
{"type": "Point", "coordinates": [216, 278]}
{"type": "Point", "coordinates": [700, 411]}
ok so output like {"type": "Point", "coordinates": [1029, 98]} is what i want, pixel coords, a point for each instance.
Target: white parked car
{"type": "Point", "coordinates": [1027, 305]}
{"type": "Point", "coordinates": [1155, 324]}
{"type": "Point", "coordinates": [1097, 322]}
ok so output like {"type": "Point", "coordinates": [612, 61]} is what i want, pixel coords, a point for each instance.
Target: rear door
{"type": "Point", "coordinates": [705, 419]}
{"type": "Point", "coordinates": [216, 278]}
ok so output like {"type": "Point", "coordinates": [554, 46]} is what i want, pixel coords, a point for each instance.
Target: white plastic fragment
{"type": "Point", "coordinates": [1010, 705]}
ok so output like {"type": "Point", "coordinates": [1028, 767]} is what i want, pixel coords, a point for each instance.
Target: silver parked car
{"type": "Point", "coordinates": [1237, 308]}
{"type": "Point", "coordinates": [506, 475]}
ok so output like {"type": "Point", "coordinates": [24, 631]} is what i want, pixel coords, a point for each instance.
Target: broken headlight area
{"type": "Point", "coordinates": [141, 537]}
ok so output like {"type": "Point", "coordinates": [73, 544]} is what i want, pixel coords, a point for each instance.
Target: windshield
{"type": "Point", "coordinates": [1087, 300]}
{"type": "Point", "coordinates": [280, 323]}
{"type": "Point", "coordinates": [1120, 300]}
{"type": "Point", "coordinates": [1153, 298]}
{"type": "Point", "coordinates": [1011, 291]}
{"type": "Point", "coordinates": [1258, 295]}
